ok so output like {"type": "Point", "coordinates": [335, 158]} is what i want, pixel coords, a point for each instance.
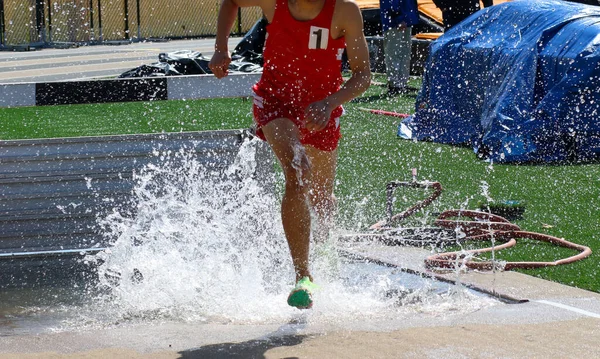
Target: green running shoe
{"type": "Point", "coordinates": [301, 296]}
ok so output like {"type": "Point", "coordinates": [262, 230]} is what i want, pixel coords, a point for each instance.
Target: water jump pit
{"type": "Point", "coordinates": [197, 256]}
{"type": "Point", "coordinates": [199, 244]}
{"type": "Point", "coordinates": [357, 295]}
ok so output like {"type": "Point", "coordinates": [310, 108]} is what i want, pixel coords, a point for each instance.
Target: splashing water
{"type": "Point", "coordinates": [207, 245]}
{"type": "Point", "coordinates": [299, 155]}
{"type": "Point", "coordinates": [485, 191]}
{"type": "Point", "coordinates": [202, 244]}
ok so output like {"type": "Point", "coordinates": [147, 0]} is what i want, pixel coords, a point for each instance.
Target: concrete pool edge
{"type": "Point", "coordinates": [508, 285]}
{"type": "Point", "coordinates": [534, 329]}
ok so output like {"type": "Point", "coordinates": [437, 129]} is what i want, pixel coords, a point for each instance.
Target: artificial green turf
{"type": "Point", "coordinates": [123, 118]}
{"type": "Point", "coordinates": [562, 201]}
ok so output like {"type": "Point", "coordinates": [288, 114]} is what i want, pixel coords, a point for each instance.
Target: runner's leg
{"type": "Point", "coordinates": [283, 137]}
{"type": "Point", "coordinates": [322, 182]}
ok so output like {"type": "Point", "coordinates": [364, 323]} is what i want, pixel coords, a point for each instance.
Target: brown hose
{"type": "Point", "coordinates": [437, 190]}
{"type": "Point", "coordinates": [479, 226]}
{"type": "Point", "coordinates": [481, 222]}
{"type": "Point", "coordinates": [497, 228]}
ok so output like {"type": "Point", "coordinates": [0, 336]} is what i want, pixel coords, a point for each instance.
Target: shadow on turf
{"type": "Point", "coordinates": [383, 96]}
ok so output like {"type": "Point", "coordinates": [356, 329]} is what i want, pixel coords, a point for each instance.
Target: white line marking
{"type": "Point", "coordinates": [568, 307]}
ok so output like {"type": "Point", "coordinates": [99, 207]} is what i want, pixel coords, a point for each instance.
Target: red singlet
{"type": "Point", "coordinates": [302, 65]}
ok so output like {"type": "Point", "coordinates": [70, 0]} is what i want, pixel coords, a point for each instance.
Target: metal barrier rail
{"type": "Point", "coordinates": [52, 191]}
{"type": "Point", "coordinates": [124, 90]}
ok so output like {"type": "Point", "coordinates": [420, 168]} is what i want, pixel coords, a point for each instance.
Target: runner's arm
{"type": "Point", "coordinates": [358, 56]}
{"type": "Point", "coordinates": [318, 113]}
{"type": "Point", "coordinates": [219, 63]}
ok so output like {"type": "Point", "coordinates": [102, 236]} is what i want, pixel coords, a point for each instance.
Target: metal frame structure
{"type": "Point", "coordinates": [53, 191]}
{"type": "Point", "coordinates": [28, 24]}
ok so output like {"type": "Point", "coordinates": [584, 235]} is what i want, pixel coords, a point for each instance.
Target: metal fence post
{"type": "Point", "coordinates": [99, 21]}
{"type": "Point", "coordinates": [126, 5]}
{"type": "Point", "coordinates": [2, 29]}
{"type": "Point", "coordinates": [92, 33]}
{"type": "Point", "coordinates": [40, 25]}
{"type": "Point", "coordinates": [139, 29]}
{"type": "Point", "coordinates": [49, 21]}
{"type": "Point", "coordinates": [239, 20]}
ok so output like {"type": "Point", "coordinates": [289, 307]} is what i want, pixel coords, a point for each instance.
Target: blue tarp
{"type": "Point", "coordinates": [519, 82]}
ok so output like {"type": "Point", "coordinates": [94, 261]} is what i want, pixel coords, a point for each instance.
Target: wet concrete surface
{"type": "Point", "coordinates": [551, 321]}
{"type": "Point", "coordinates": [443, 339]}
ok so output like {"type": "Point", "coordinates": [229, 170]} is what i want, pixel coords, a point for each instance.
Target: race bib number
{"type": "Point", "coordinates": [318, 38]}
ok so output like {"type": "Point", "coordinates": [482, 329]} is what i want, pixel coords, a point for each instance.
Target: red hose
{"type": "Point", "coordinates": [481, 226]}
{"type": "Point", "coordinates": [497, 228]}
{"type": "Point", "coordinates": [385, 113]}
{"type": "Point", "coordinates": [437, 191]}
{"type": "Point", "coordinates": [481, 222]}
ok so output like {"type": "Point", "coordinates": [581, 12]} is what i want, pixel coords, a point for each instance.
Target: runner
{"type": "Point", "coordinates": [298, 105]}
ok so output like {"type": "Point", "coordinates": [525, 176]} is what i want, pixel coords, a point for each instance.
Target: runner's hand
{"type": "Point", "coordinates": [219, 63]}
{"type": "Point", "coordinates": [317, 115]}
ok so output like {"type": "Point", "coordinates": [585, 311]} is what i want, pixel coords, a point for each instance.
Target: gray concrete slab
{"type": "Point", "coordinates": [88, 62]}
{"type": "Point", "coordinates": [20, 94]}
{"type": "Point", "coordinates": [208, 86]}
{"type": "Point", "coordinates": [509, 284]}
{"type": "Point", "coordinates": [556, 321]}
{"type": "Point", "coordinates": [504, 284]}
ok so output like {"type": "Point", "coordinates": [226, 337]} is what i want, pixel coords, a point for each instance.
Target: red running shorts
{"type": "Point", "coordinates": [268, 108]}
